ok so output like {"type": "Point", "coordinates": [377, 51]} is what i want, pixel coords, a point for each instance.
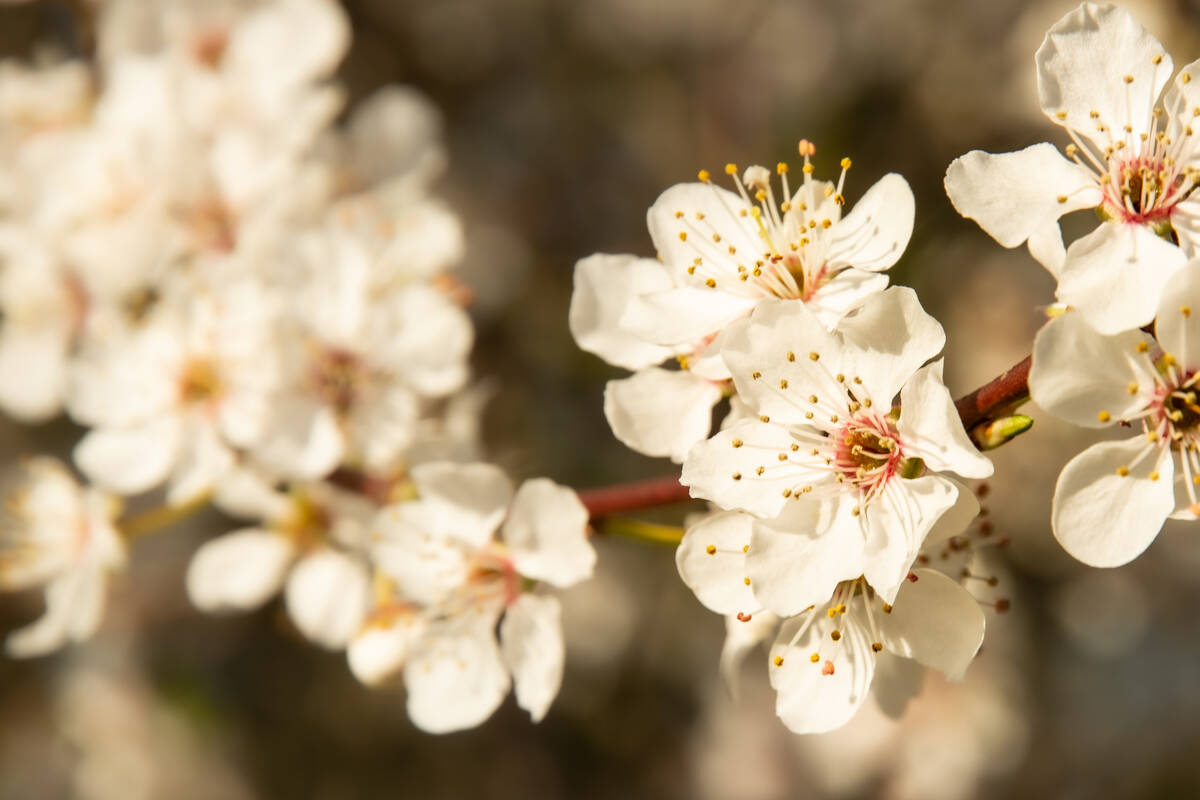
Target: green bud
{"type": "Point", "coordinates": [992, 434]}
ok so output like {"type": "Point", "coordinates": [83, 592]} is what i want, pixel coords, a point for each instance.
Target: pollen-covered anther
{"type": "Point", "coordinates": [778, 661]}
{"type": "Point", "coordinates": [877, 646]}
{"type": "Point", "coordinates": [711, 549]}
{"type": "Point", "coordinates": [1104, 416]}
{"type": "Point", "coordinates": [828, 668]}
{"type": "Point", "coordinates": [814, 356]}
{"type": "Point", "coordinates": [737, 443]}
{"type": "Point", "coordinates": [814, 658]}
{"type": "Point", "coordinates": [836, 635]}
{"type": "Point", "coordinates": [1123, 471]}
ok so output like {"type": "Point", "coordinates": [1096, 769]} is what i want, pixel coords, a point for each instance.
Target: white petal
{"type": "Point", "coordinates": [305, 440]}
{"type": "Point", "coordinates": [660, 412]}
{"type": "Point", "coordinates": [1084, 377]}
{"type": "Point", "coordinates": [1115, 275]}
{"type": "Point", "coordinates": [930, 427]}
{"type": "Point", "coordinates": [797, 559]}
{"type": "Point", "coordinates": [378, 653]}
{"type": "Point", "coordinates": [238, 571]}
{"type": "Point", "coordinates": [887, 339]}
{"type": "Point", "coordinates": [683, 316]}
{"type": "Point", "coordinates": [741, 468]}
{"type": "Point", "coordinates": [1174, 328]}
{"type": "Point", "coordinates": [935, 622]}
{"type": "Point", "coordinates": [456, 678]}
{"type": "Point", "coordinates": [604, 286]}
{"type": "Point", "coordinates": [873, 236]}
{"type": "Point", "coordinates": [1083, 65]}
{"type": "Point", "coordinates": [1105, 519]}
{"type": "Point", "coordinates": [244, 492]}
{"type": "Point", "coordinates": [845, 292]}
{"type": "Point", "coordinates": [531, 642]}
{"type": "Point", "coordinates": [74, 609]}
{"type": "Point", "coordinates": [810, 701]}
{"type": "Point", "coordinates": [1013, 196]}
{"type": "Point", "coordinates": [898, 522]}
{"type": "Point", "coordinates": [770, 380]}
{"type": "Point", "coordinates": [719, 208]}
{"type": "Point", "coordinates": [129, 460]}
{"type": "Point", "coordinates": [1047, 248]}
{"type": "Point", "coordinates": [711, 560]}
{"type": "Point", "coordinates": [202, 461]}
{"type": "Point", "coordinates": [39, 357]}
{"type": "Point", "coordinates": [463, 501]}
{"type": "Point", "coordinates": [328, 596]}
{"type": "Point", "coordinates": [425, 567]}
{"type": "Point", "coordinates": [546, 534]}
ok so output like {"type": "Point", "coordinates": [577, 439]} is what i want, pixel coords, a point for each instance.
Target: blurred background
{"type": "Point", "coordinates": [564, 119]}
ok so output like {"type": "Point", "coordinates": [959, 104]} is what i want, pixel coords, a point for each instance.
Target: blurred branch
{"type": "Point", "coordinates": [160, 517]}
{"type": "Point", "coordinates": [625, 497]}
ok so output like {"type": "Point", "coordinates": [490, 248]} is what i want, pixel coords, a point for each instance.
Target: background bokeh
{"type": "Point", "coordinates": [564, 119]}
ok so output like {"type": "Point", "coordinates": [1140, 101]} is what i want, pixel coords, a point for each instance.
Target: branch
{"type": "Point", "coordinates": [997, 396]}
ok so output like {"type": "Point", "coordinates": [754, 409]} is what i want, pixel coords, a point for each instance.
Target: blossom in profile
{"type": "Point", "coordinates": [846, 483]}
{"type": "Point", "coordinates": [449, 584]}
{"type": "Point", "coordinates": [1111, 500]}
{"type": "Point", "coordinates": [1133, 158]}
{"type": "Point", "coordinates": [62, 537]}
{"type": "Point", "coordinates": [825, 654]}
{"type": "Point", "coordinates": [722, 253]}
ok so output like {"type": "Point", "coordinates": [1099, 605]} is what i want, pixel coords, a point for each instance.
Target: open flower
{"type": "Point", "coordinates": [447, 583]}
{"type": "Point", "coordinates": [825, 654]}
{"type": "Point", "coordinates": [859, 480]}
{"type": "Point", "coordinates": [1112, 499]}
{"type": "Point", "coordinates": [63, 538]}
{"type": "Point", "coordinates": [1133, 158]}
{"type": "Point", "coordinates": [722, 253]}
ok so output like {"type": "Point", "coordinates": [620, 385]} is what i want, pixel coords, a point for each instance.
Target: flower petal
{"type": "Point", "coordinates": [1106, 519]}
{"type": "Point", "coordinates": [129, 460]}
{"type": "Point", "coordinates": [816, 697]}
{"type": "Point", "coordinates": [74, 609]}
{"type": "Point", "coordinates": [238, 571]}
{"type": "Point", "coordinates": [930, 426]}
{"type": "Point", "coordinates": [456, 678]}
{"type": "Point", "coordinates": [462, 501]}
{"type": "Point", "coordinates": [845, 292]}
{"type": "Point", "coordinates": [683, 220]}
{"type": "Point", "coordinates": [741, 636]}
{"type": "Point", "coordinates": [748, 466]}
{"type": "Point", "coordinates": [1097, 60]}
{"type": "Point", "coordinates": [426, 567]}
{"type": "Point", "coordinates": [683, 316]}
{"type": "Point", "coordinates": [1174, 327]}
{"type": "Point", "coordinates": [378, 653]}
{"type": "Point", "coordinates": [935, 622]}
{"type": "Point", "coordinates": [604, 286]}
{"type": "Point", "coordinates": [712, 562]}
{"type": "Point", "coordinates": [1013, 196]}
{"type": "Point", "coordinates": [328, 595]}
{"type": "Point", "coordinates": [1086, 378]}
{"type": "Point", "coordinates": [873, 235]}
{"type": "Point", "coordinates": [660, 412]}
{"type": "Point", "coordinates": [531, 643]}
{"type": "Point", "coordinates": [546, 534]}
{"type": "Point", "coordinates": [1047, 248]}
{"type": "Point", "coordinates": [797, 559]}
{"type": "Point", "coordinates": [898, 522]}
{"type": "Point", "coordinates": [887, 339]}
{"type": "Point", "coordinates": [1115, 275]}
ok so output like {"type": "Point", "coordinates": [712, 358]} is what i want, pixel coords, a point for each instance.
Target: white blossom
{"type": "Point", "coordinates": [852, 486]}
{"type": "Point", "coordinates": [62, 537]}
{"type": "Point", "coordinates": [1112, 499]}
{"type": "Point", "coordinates": [1132, 157]}
{"type": "Point", "coordinates": [723, 253]}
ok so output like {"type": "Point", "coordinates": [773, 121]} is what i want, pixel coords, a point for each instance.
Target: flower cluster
{"type": "Point", "coordinates": [245, 303]}
{"type": "Point", "coordinates": [1121, 351]}
{"type": "Point", "coordinates": [832, 464]}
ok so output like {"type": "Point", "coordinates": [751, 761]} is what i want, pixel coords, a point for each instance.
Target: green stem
{"type": "Point", "coordinates": [642, 531]}
{"type": "Point", "coordinates": [159, 517]}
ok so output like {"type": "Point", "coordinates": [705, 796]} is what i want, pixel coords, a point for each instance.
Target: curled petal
{"type": "Point", "coordinates": [660, 412]}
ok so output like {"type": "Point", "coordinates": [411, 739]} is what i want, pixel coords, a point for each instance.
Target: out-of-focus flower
{"type": "Point", "coordinates": [447, 584]}
{"type": "Point", "coordinates": [172, 400]}
{"type": "Point", "coordinates": [1132, 158]}
{"type": "Point", "coordinates": [1111, 500]}
{"type": "Point", "coordinates": [847, 485]}
{"type": "Point", "coordinates": [723, 253]}
{"type": "Point", "coordinates": [309, 543]}
{"type": "Point", "coordinates": [62, 537]}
